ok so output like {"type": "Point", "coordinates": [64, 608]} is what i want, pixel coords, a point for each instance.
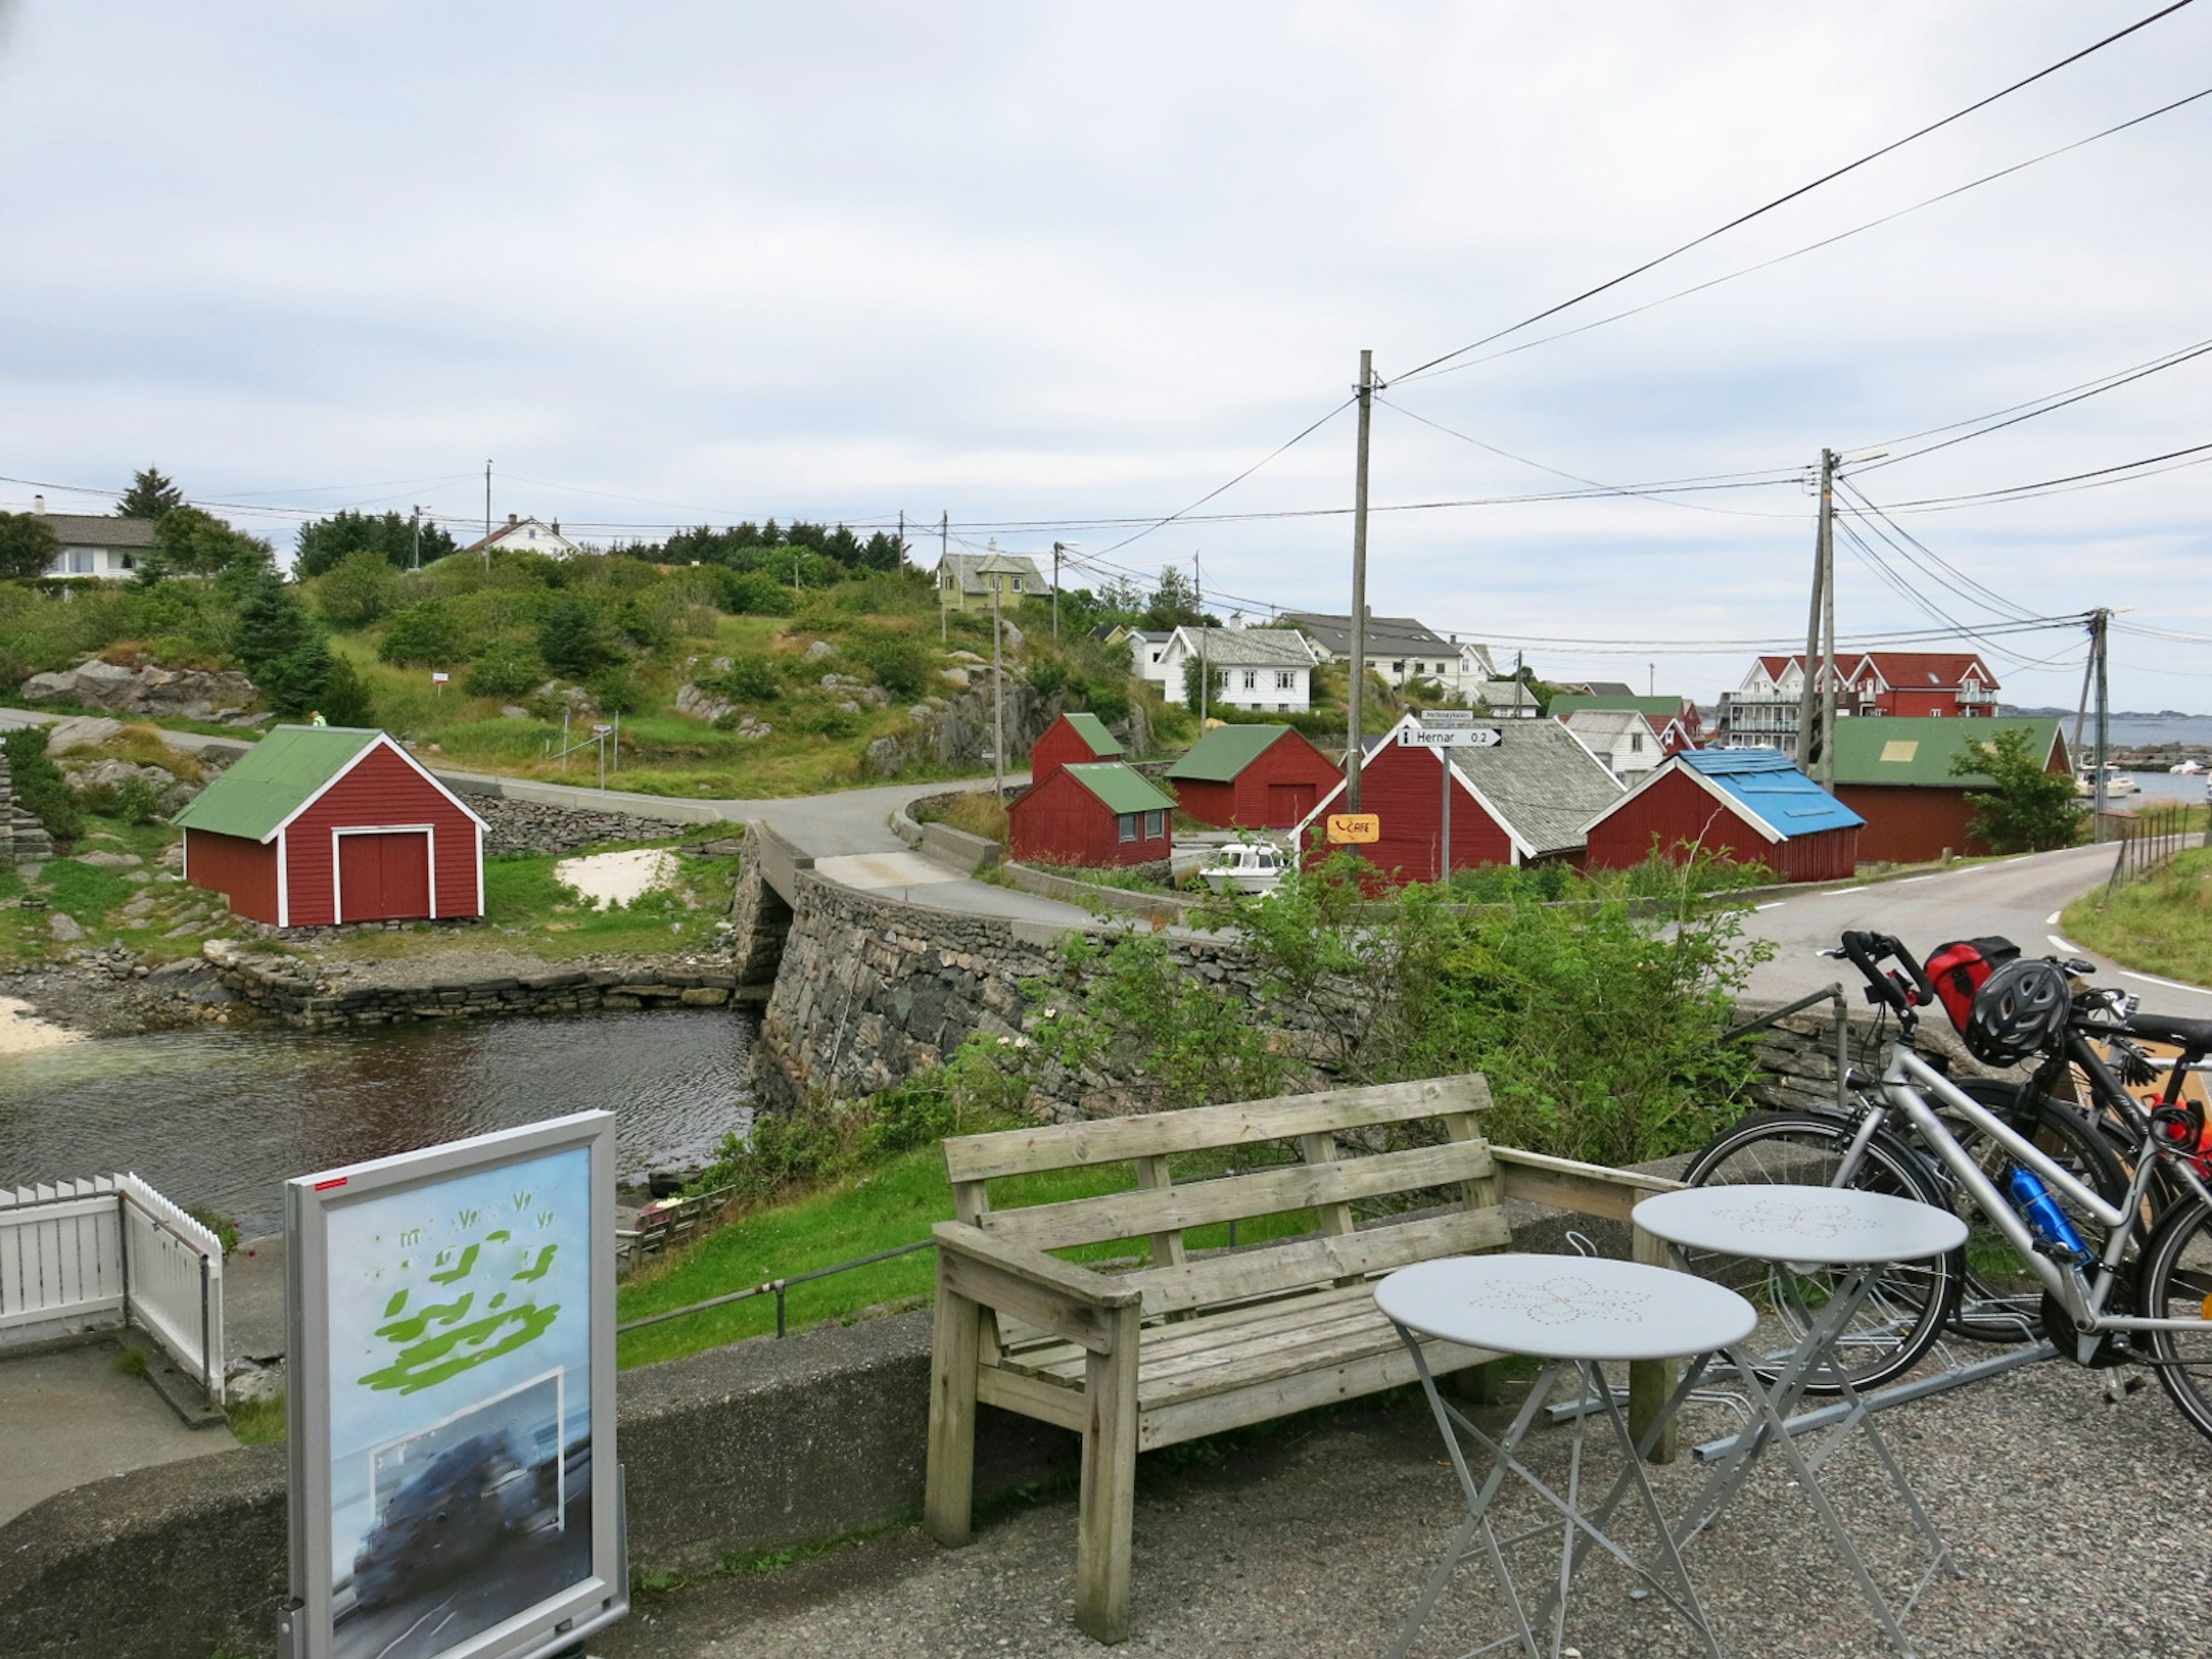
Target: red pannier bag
{"type": "Point", "coordinates": [1957, 970]}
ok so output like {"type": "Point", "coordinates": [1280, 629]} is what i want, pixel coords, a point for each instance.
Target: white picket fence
{"type": "Point", "coordinates": [82, 1254]}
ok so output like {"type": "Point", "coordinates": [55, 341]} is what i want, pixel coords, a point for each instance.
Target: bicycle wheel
{"type": "Point", "coordinates": [1901, 1318]}
{"type": "Point", "coordinates": [2001, 1299]}
{"type": "Point", "coordinates": [2176, 1282]}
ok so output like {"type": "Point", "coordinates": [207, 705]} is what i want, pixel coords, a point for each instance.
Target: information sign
{"type": "Point", "coordinates": [454, 1492]}
{"type": "Point", "coordinates": [1354, 829]}
{"type": "Point", "coordinates": [1449, 737]}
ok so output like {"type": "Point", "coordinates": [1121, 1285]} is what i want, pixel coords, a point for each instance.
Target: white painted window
{"type": "Point", "coordinates": [1251, 679]}
{"type": "Point", "coordinates": [1156, 825]}
{"type": "Point", "coordinates": [80, 561]}
{"type": "Point", "coordinates": [1285, 679]}
{"type": "Point", "coordinates": [1125, 824]}
{"type": "Point", "coordinates": [1635, 743]}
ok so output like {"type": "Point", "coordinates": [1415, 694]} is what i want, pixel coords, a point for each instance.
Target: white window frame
{"type": "Point", "coordinates": [1156, 824]}
{"type": "Point", "coordinates": [1125, 825]}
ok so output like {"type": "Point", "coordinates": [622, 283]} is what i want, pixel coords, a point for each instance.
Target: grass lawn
{"type": "Point", "coordinates": [895, 1203]}
{"type": "Point", "coordinates": [95, 898]}
{"type": "Point", "coordinates": [2162, 924]}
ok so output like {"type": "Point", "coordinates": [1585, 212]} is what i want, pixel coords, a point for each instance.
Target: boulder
{"type": "Point", "coordinates": [63, 925]}
{"type": "Point", "coordinates": [697, 703]}
{"type": "Point", "coordinates": [885, 758]}
{"type": "Point", "coordinates": [819, 649]}
{"type": "Point", "coordinates": [105, 861]}
{"type": "Point", "coordinates": [509, 711]}
{"type": "Point", "coordinates": [79, 731]}
{"type": "Point", "coordinates": [197, 694]}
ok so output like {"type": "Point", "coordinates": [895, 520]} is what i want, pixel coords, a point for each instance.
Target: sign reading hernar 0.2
{"type": "Point", "coordinates": [454, 1493]}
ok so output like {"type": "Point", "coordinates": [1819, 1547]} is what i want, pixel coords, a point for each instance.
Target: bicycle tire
{"type": "Point", "coordinates": [1911, 1302]}
{"type": "Point", "coordinates": [2175, 1282]}
{"type": "Point", "coordinates": [2001, 1299]}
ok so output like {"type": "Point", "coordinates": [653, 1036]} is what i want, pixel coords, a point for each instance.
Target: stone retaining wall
{"type": "Point", "coordinates": [529, 826]}
{"type": "Point", "coordinates": [277, 987]}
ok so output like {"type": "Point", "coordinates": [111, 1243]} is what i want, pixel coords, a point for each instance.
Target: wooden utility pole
{"type": "Point", "coordinates": [943, 569]}
{"type": "Point", "coordinates": [1355, 748]}
{"type": "Point", "coordinates": [902, 539]}
{"type": "Point", "coordinates": [1205, 671]}
{"type": "Point", "coordinates": [1808, 698]}
{"type": "Point", "coordinates": [487, 508]}
{"type": "Point", "coordinates": [2099, 622]}
{"type": "Point", "coordinates": [1829, 672]}
{"type": "Point", "coordinates": [1056, 547]}
{"type": "Point", "coordinates": [998, 693]}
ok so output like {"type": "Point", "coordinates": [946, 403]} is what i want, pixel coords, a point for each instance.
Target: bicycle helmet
{"type": "Point", "coordinates": [2021, 1009]}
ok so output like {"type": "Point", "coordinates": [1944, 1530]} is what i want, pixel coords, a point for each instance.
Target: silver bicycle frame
{"type": "Point", "coordinates": [1901, 1083]}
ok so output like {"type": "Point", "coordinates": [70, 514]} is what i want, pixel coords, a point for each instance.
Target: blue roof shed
{"type": "Point", "coordinates": [1749, 805]}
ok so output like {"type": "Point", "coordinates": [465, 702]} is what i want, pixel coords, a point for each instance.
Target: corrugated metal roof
{"type": "Point", "coordinates": [268, 783]}
{"type": "Point", "coordinates": [1093, 730]}
{"type": "Point", "coordinates": [1541, 781]}
{"type": "Point", "coordinates": [1226, 752]}
{"type": "Point", "coordinates": [1919, 749]}
{"type": "Point", "coordinates": [1122, 789]}
{"type": "Point", "coordinates": [1769, 785]}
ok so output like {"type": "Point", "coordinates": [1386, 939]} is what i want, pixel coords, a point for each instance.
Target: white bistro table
{"type": "Point", "coordinates": [1576, 1314]}
{"type": "Point", "coordinates": [1861, 1233]}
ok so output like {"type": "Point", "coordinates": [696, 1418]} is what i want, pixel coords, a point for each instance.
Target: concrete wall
{"type": "Point", "coordinates": [751, 1447]}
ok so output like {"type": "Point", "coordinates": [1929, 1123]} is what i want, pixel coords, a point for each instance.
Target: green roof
{"type": "Point", "coordinates": [1657, 709]}
{"type": "Point", "coordinates": [1918, 749]}
{"type": "Point", "coordinates": [1092, 730]}
{"type": "Point", "coordinates": [1122, 789]}
{"type": "Point", "coordinates": [1224, 752]}
{"type": "Point", "coordinates": [274, 779]}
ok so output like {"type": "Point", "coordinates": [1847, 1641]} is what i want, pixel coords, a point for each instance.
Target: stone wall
{"type": "Point", "coordinates": [529, 826]}
{"type": "Point", "coordinates": [281, 988]}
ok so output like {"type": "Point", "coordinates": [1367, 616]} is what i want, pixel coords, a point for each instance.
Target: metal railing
{"type": "Point", "coordinates": [776, 1287]}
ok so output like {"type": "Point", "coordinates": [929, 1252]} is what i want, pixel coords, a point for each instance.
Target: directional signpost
{"type": "Point", "coordinates": [1448, 728]}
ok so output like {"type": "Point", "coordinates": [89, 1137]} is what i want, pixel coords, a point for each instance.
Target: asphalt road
{"type": "Point", "coordinates": [2017, 898]}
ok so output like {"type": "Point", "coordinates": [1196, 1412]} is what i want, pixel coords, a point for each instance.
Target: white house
{"type": "Point", "coordinates": [1402, 648]}
{"type": "Point", "coordinates": [1147, 646]}
{"type": "Point", "coordinates": [519, 535]}
{"type": "Point", "coordinates": [1268, 670]}
{"type": "Point", "coordinates": [1628, 743]}
{"type": "Point", "coordinates": [96, 543]}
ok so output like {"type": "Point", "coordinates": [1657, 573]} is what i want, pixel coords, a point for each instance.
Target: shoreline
{"type": "Point", "coordinates": [23, 1031]}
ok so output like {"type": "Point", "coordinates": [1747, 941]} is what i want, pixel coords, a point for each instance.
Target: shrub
{"type": "Point", "coordinates": [134, 800]}
{"type": "Point", "coordinates": [573, 641]}
{"type": "Point", "coordinates": [751, 676]}
{"type": "Point", "coordinates": [362, 587]}
{"type": "Point", "coordinates": [39, 785]}
{"type": "Point", "coordinates": [898, 661]}
{"type": "Point", "coordinates": [755, 594]}
{"type": "Point", "coordinates": [504, 668]}
{"type": "Point", "coordinates": [425, 634]}
{"type": "Point", "coordinates": [833, 722]}
{"type": "Point", "coordinates": [617, 690]}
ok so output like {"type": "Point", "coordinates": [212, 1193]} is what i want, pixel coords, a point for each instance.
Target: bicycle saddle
{"type": "Point", "coordinates": [2193, 1034]}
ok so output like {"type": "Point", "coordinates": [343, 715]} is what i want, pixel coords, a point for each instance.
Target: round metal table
{"type": "Point", "coordinates": [1576, 1314]}
{"type": "Point", "coordinates": [1795, 1227]}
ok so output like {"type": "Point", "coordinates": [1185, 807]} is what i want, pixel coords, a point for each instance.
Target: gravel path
{"type": "Point", "coordinates": [2084, 1529]}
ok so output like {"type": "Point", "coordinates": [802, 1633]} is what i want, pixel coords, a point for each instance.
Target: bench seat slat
{"type": "Point", "coordinates": [1169, 1422]}
{"type": "Point", "coordinates": [1275, 1267]}
{"type": "Point", "coordinates": [1201, 1128]}
{"type": "Point", "coordinates": [1165, 1346]}
{"type": "Point", "coordinates": [1294, 1187]}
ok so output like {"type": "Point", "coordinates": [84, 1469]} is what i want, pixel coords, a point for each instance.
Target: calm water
{"type": "Point", "coordinates": [220, 1118]}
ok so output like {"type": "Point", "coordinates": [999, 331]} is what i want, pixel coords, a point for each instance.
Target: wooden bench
{"type": "Point", "coordinates": [1190, 1343]}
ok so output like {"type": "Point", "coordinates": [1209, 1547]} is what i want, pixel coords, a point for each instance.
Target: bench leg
{"type": "Point", "coordinates": [949, 1491]}
{"type": "Point", "coordinates": [1651, 1382]}
{"type": "Point", "coordinates": [1476, 1385]}
{"type": "Point", "coordinates": [1107, 1510]}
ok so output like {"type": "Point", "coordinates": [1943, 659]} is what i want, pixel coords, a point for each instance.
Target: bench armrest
{"type": "Point", "coordinates": [1087, 1308]}
{"type": "Point", "coordinates": [1567, 1184]}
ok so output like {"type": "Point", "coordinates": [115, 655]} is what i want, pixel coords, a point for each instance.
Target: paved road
{"type": "Point", "coordinates": [2019, 898]}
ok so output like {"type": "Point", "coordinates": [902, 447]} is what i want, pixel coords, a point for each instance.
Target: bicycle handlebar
{"type": "Point", "coordinates": [1867, 951]}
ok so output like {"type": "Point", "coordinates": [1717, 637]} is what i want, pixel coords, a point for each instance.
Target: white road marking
{"type": "Point", "coordinates": [2051, 920]}
{"type": "Point", "coordinates": [1907, 881]}
{"type": "Point", "coordinates": [1776, 905]}
{"type": "Point", "coordinates": [2070, 949]}
{"type": "Point", "coordinates": [1838, 892]}
{"type": "Point", "coordinates": [2171, 984]}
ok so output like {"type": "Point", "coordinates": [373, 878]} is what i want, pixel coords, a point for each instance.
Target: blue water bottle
{"type": "Point", "coordinates": [2034, 1199]}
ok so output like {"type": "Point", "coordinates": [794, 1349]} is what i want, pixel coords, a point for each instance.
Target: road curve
{"type": "Point", "coordinates": [2019, 898]}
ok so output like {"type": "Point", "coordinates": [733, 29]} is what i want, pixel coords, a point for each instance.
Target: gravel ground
{"type": "Point", "coordinates": [2081, 1527]}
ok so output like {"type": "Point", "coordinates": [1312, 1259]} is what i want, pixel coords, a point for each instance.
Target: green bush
{"type": "Point", "coordinates": [833, 722]}
{"type": "Point", "coordinates": [425, 634]}
{"type": "Point", "coordinates": [38, 785]}
{"type": "Point", "coordinates": [755, 594]}
{"type": "Point", "coordinates": [751, 676]}
{"type": "Point", "coordinates": [574, 640]}
{"type": "Point", "coordinates": [899, 662]}
{"type": "Point", "coordinates": [617, 690]}
{"type": "Point", "coordinates": [503, 668]}
{"type": "Point", "coordinates": [134, 800]}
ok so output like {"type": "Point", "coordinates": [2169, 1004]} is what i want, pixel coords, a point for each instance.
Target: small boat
{"type": "Point", "coordinates": [2188, 769]}
{"type": "Point", "coordinates": [2117, 782]}
{"type": "Point", "coordinates": [1246, 867]}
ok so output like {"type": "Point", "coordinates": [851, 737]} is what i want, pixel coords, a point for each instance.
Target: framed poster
{"type": "Point", "coordinates": [454, 1493]}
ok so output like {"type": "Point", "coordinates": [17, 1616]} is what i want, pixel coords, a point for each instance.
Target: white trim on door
{"type": "Point", "coordinates": [337, 895]}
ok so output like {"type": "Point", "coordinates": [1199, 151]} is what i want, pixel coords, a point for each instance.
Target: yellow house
{"type": "Point", "coordinates": [965, 581]}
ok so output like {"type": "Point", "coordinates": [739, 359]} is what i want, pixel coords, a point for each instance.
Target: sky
{"type": "Point", "coordinates": [1036, 265]}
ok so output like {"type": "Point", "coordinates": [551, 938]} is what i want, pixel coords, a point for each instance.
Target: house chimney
{"type": "Point", "coordinates": [38, 505]}
{"type": "Point", "coordinates": [556, 531]}
{"type": "Point", "coordinates": [514, 519]}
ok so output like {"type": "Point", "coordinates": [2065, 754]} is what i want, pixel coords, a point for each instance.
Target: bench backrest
{"type": "Point", "coordinates": [1325, 1180]}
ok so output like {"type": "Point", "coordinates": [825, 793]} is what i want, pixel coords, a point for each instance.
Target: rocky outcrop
{"type": "Point", "coordinates": [959, 731]}
{"type": "Point", "coordinates": [193, 693]}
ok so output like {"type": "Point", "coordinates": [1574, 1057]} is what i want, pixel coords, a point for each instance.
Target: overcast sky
{"type": "Point", "coordinates": [705, 262]}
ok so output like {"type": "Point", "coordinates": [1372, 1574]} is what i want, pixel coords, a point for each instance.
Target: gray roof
{"type": "Point", "coordinates": [1608, 688]}
{"type": "Point", "coordinates": [1251, 647]}
{"type": "Point", "coordinates": [98, 529]}
{"type": "Point", "coordinates": [1541, 781]}
{"type": "Point", "coordinates": [1603, 724]}
{"type": "Point", "coordinates": [1386, 636]}
{"type": "Point", "coordinates": [970, 567]}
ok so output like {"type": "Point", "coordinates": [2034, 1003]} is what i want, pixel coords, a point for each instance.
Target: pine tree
{"type": "Point", "coordinates": [271, 625]}
{"type": "Point", "coordinates": [150, 496]}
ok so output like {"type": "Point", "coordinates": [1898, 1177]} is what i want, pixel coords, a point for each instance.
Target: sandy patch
{"type": "Point", "coordinates": [617, 877]}
{"type": "Point", "coordinates": [22, 1032]}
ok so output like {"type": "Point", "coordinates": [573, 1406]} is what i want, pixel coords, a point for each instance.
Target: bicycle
{"type": "Point", "coordinates": [2107, 1281]}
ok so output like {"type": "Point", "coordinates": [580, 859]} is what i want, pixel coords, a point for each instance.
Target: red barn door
{"type": "Point", "coordinates": [1289, 803]}
{"type": "Point", "coordinates": [384, 876]}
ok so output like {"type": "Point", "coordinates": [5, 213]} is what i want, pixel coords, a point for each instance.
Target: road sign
{"type": "Point", "coordinates": [1354, 829]}
{"type": "Point", "coordinates": [1449, 737]}
{"type": "Point", "coordinates": [1436, 718]}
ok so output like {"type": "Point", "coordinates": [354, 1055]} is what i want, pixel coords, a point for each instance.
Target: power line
{"type": "Point", "coordinates": [1802, 190]}
{"type": "Point", "coordinates": [1944, 571]}
{"type": "Point", "coordinates": [2023, 492]}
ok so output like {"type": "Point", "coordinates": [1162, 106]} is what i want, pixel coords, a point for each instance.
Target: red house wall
{"type": "Point", "coordinates": [1941, 701]}
{"type": "Point", "coordinates": [1681, 811]}
{"type": "Point", "coordinates": [1911, 824]}
{"type": "Point", "coordinates": [1259, 796]}
{"type": "Point", "coordinates": [1403, 788]}
{"type": "Point", "coordinates": [1061, 745]}
{"type": "Point", "coordinates": [1060, 821]}
{"type": "Point", "coordinates": [244, 872]}
{"type": "Point", "coordinates": [380, 789]}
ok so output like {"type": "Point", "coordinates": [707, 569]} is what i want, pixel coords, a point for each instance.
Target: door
{"type": "Point", "coordinates": [1287, 803]}
{"type": "Point", "coordinates": [384, 876]}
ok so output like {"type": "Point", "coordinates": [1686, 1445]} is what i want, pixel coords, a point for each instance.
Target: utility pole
{"type": "Point", "coordinates": [1355, 751]}
{"type": "Point", "coordinates": [1205, 671]}
{"type": "Point", "coordinates": [418, 565]}
{"type": "Point", "coordinates": [998, 695]}
{"type": "Point", "coordinates": [1829, 672]}
{"type": "Point", "coordinates": [1056, 546]}
{"type": "Point", "coordinates": [1809, 703]}
{"type": "Point", "coordinates": [943, 569]}
{"type": "Point", "coordinates": [902, 539]}
{"type": "Point", "coordinates": [487, 509]}
{"type": "Point", "coordinates": [2099, 621]}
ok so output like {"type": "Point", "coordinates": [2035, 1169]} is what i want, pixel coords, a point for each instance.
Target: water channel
{"type": "Point", "coordinates": [219, 1118]}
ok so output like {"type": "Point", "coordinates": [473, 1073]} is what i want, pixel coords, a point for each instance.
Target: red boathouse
{"type": "Point", "coordinates": [1076, 738]}
{"type": "Point", "coordinates": [1092, 813]}
{"type": "Point", "coordinates": [321, 824]}
{"type": "Point", "coordinates": [1744, 806]}
{"type": "Point", "coordinates": [1253, 777]}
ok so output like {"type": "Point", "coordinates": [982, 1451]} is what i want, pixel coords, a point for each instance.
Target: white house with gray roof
{"type": "Point", "coordinates": [1402, 648]}
{"type": "Point", "coordinates": [96, 544]}
{"type": "Point", "coordinates": [1267, 670]}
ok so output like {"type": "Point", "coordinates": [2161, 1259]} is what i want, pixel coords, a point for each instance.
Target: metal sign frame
{"type": "Point", "coordinates": [594, 1591]}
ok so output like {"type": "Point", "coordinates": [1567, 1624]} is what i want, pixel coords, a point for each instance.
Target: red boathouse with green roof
{"type": "Point", "coordinates": [317, 825]}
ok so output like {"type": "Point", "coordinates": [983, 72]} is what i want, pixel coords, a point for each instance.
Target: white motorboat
{"type": "Point", "coordinates": [2117, 782]}
{"type": "Point", "coordinates": [2188, 769]}
{"type": "Point", "coordinates": [1246, 867]}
